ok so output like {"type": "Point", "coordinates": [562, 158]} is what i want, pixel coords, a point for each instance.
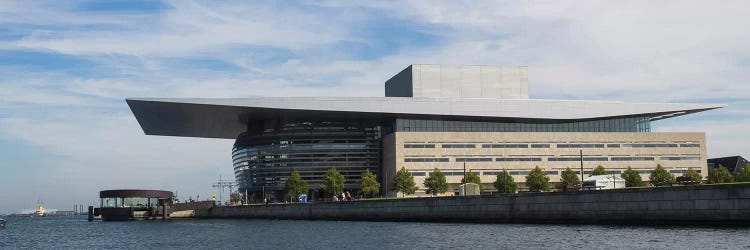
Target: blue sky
{"type": "Point", "coordinates": [67, 66]}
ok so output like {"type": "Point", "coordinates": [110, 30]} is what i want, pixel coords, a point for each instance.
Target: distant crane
{"type": "Point", "coordinates": [222, 184]}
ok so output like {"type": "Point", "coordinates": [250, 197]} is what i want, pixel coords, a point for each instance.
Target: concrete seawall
{"type": "Point", "coordinates": [705, 204]}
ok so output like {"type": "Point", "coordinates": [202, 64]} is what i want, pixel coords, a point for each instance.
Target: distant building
{"type": "Point", "coordinates": [432, 117]}
{"type": "Point", "coordinates": [732, 163]}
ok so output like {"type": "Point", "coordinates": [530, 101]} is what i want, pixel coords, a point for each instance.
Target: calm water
{"type": "Point", "coordinates": [77, 233]}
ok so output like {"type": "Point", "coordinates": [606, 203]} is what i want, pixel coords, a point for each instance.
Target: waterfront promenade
{"type": "Point", "coordinates": [702, 204]}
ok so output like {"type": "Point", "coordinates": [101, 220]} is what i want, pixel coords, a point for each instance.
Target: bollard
{"type": "Point", "coordinates": [91, 213]}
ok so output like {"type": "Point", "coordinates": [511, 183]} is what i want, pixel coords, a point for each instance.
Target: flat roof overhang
{"type": "Point", "coordinates": [226, 117]}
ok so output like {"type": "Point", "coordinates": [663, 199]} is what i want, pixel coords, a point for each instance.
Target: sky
{"type": "Point", "coordinates": [66, 68]}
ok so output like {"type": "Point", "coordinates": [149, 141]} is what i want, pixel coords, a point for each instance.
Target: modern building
{"type": "Point", "coordinates": [732, 163]}
{"type": "Point", "coordinates": [133, 204]}
{"type": "Point", "coordinates": [443, 117]}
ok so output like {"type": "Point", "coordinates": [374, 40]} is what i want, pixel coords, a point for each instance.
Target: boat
{"type": "Point", "coordinates": [40, 210]}
{"type": "Point", "coordinates": [2, 223]}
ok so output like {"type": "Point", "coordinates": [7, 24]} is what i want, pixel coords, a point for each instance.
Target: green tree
{"type": "Point", "coordinates": [472, 177]}
{"type": "Point", "coordinates": [333, 182]}
{"type": "Point", "coordinates": [294, 185]}
{"type": "Point", "coordinates": [504, 183]}
{"type": "Point", "coordinates": [369, 183]}
{"type": "Point", "coordinates": [436, 183]}
{"type": "Point", "coordinates": [632, 178]}
{"type": "Point", "coordinates": [569, 180]}
{"type": "Point", "coordinates": [404, 182]}
{"type": "Point", "coordinates": [719, 174]}
{"type": "Point", "coordinates": [742, 174]}
{"type": "Point", "coordinates": [661, 177]}
{"type": "Point", "coordinates": [537, 180]}
{"type": "Point", "coordinates": [694, 175]}
{"type": "Point", "coordinates": [599, 170]}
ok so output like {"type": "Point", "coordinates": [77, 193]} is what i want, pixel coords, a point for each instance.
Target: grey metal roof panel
{"type": "Point", "coordinates": [226, 117]}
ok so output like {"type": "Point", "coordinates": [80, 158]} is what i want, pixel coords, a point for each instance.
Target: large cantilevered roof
{"type": "Point", "coordinates": [227, 117]}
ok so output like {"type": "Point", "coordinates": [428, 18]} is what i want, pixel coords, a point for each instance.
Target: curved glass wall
{"type": "Point", "coordinates": [266, 154]}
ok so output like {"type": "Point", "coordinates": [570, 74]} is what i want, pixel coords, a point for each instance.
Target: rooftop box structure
{"type": "Point", "coordinates": [460, 81]}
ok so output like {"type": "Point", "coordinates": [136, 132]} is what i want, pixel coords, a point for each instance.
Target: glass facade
{"type": "Point", "coordinates": [265, 155]}
{"type": "Point", "coordinates": [627, 124]}
{"type": "Point", "coordinates": [135, 202]}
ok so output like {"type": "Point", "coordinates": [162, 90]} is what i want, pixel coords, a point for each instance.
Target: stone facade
{"type": "Point", "coordinates": [491, 152]}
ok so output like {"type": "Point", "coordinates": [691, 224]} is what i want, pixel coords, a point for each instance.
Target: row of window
{"type": "Point", "coordinates": [572, 159]}
{"type": "Point", "coordinates": [548, 172]}
{"type": "Point", "coordinates": [630, 124]}
{"type": "Point", "coordinates": [571, 145]}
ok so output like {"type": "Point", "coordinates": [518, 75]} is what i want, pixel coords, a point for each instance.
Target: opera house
{"type": "Point", "coordinates": [432, 116]}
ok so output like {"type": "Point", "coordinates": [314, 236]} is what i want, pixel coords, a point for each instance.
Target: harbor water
{"type": "Point", "coordinates": [77, 233]}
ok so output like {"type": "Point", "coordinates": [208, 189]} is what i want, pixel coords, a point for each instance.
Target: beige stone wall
{"type": "Point", "coordinates": [395, 153]}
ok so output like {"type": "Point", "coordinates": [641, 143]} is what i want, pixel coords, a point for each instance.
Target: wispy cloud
{"type": "Point", "coordinates": [67, 66]}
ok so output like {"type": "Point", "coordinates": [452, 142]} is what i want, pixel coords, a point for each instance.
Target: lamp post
{"type": "Point", "coordinates": [464, 182]}
{"type": "Point", "coordinates": [581, 169]}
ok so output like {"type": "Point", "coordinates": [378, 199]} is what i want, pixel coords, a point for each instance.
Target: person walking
{"type": "Point", "coordinates": [348, 196]}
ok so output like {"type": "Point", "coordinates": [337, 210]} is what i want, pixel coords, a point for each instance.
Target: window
{"type": "Point", "coordinates": [519, 172]}
{"type": "Point", "coordinates": [679, 158]}
{"type": "Point", "coordinates": [577, 159]}
{"type": "Point", "coordinates": [580, 145]}
{"type": "Point", "coordinates": [613, 145]}
{"type": "Point", "coordinates": [632, 158]}
{"type": "Point", "coordinates": [491, 173]}
{"type": "Point", "coordinates": [551, 172]}
{"type": "Point", "coordinates": [473, 159]}
{"type": "Point", "coordinates": [690, 145]}
{"type": "Point", "coordinates": [425, 159]}
{"type": "Point", "coordinates": [539, 145]}
{"type": "Point", "coordinates": [458, 145]}
{"type": "Point", "coordinates": [640, 145]}
{"type": "Point", "coordinates": [419, 145]}
{"type": "Point", "coordinates": [505, 146]}
{"type": "Point", "coordinates": [417, 173]}
{"type": "Point", "coordinates": [512, 159]}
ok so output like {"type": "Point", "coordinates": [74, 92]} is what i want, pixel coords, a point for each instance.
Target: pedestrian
{"type": "Point", "coordinates": [343, 196]}
{"type": "Point", "coordinates": [348, 196]}
{"type": "Point", "coordinates": [334, 198]}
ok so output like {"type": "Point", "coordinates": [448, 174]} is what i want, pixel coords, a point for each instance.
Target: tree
{"type": "Point", "coordinates": [537, 180]}
{"type": "Point", "coordinates": [719, 174]}
{"type": "Point", "coordinates": [234, 198]}
{"type": "Point", "coordinates": [632, 178]}
{"type": "Point", "coordinates": [742, 174]}
{"type": "Point", "coordinates": [569, 180]}
{"type": "Point", "coordinates": [599, 170]}
{"type": "Point", "coordinates": [333, 182]}
{"type": "Point", "coordinates": [369, 183]}
{"type": "Point", "coordinates": [661, 177]}
{"type": "Point", "coordinates": [404, 182]}
{"type": "Point", "coordinates": [472, 177]}
{"type": "Point", "coordinates": [295, 185]}
{"type": "Point", "coordinates": [436, 183]}
{"type": "Point", "coordinates": [504, 183]}
{"type": "Point", "coordinates": [694, 176]}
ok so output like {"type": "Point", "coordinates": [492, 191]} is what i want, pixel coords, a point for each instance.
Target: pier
{"type": "Point", "coordinates": [702, 204]}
